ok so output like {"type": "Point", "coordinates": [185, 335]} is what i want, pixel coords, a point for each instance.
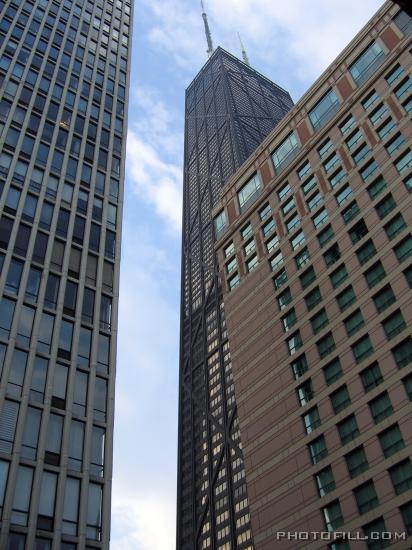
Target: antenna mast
{"type": "Point", "coordinates": [244, 54]}
{"type": "Point", "coordinates": [207, 31]}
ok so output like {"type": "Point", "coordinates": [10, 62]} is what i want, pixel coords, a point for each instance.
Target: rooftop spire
{"type": "Point", "coordinates": [207, 31]}
{"type": "Point", "coordinates": [244, 54]}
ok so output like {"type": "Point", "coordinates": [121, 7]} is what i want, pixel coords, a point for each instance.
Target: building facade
{"type": "Point", "coordinates": [230, 109]}
{"type": "Point", "coordinates": [63, 103]}
{"type": "Point", "coordinates": [315, 257]}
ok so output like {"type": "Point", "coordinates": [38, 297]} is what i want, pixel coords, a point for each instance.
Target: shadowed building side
{"type": "Point", "coordinates": [230, 109]}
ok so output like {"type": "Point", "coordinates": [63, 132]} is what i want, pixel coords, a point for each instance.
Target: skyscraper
{"type": "Point", "coordinates": [230, 109]}
{"type": "Point", "coordinates": [315, 254]}
{"type": "Point", "coordinates": [63, 102]}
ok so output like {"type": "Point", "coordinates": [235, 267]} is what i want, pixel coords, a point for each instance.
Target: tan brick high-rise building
{"type": "Point", "coordinates": [315, 259]}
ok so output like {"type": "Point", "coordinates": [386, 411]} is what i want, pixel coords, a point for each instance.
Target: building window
{"type": "Point", "coordinates": [319, 321]}
{"type": "Point", "coordinates": [230, 266]}
{"type": "Point", "coordinates": [394, 324]}
{"type": "Point", "coordinates": [358, 231]}
{"type": "Point", "coordinates": [325, 482]}
{"type": "Point", "coordinates": [395, 226]}
{"type": "Point", "coordinates": [350, 212]}
{"type": "Point", "coordinates": [365, 252]}
{"type": "Point", "coordinates": [284, 191]}
{"type": "Point", "coordinates": [362, 349]}
{"type": "Point", "coordinates": [294, 342]}
{"type": "Point", "coordinates": [356, 462]}
{"type": "Point", "coordinates": [280, 279]}
{"type": "Point", "coordinates": [348, 429]}
{"type": "Point", "coordinates": [272, 243]}
{"type": "Point", "coordinates": [346, 298]}
{"type": "Point", "coordinates": [22, 494]}
{"type": "Point", "coordinates": [285, 298]}
{"type": "Point", "coordinates": [324, 110]}
{"type": "Point", "coordinates": [317, 450]}
{"type": "Point", "coordinates": [404, 162]}
{"type": "Point", "coordinates": [307, 277]}
{"type": "Point", "coordinates": [299, 366]}
{"type": "Point", "coordinates": [285, 152]}
{"type": "Point", "coordinates": [249, 247]}
{"type": "Point", "coordinates": [366, 63]}
{"type": "Point", "coordinates": [265, 211]}
{"type": "Point", "coordinates": [354, 322]}
{"type": "Point", "coordinates": [332, 371]}
{"type": "Point", "coordinates": [292, 223]}
{"type": "Point", "coordinates": [344, 195]}
{"type": "Point", "coordinates": [320, 218]}
{"type": "Point", "coordinates": [391, 440]}
{"type": "Point", "coordinates": [46, 502]}
{"type": "Point", "coordinates": [326, 345]}
{"type": "Point", "coordinates": [97, 451]}
{"type": "Point", "coordinates": [366, 497]}
{"type": "Point", "coordinates": [376, 187]}
{"type": "Point", "coordinates": [402, 353]}
{"type": "Point", "coordinates": [234, 281]}
{"type": "Point", "coordinates": [401, 476]}
{"type": "Point", "coordinates": [6, 316]}
{"type": "Point", "coordinates": [305, 392]}
{"type": "Point", "coordinates": [289, 320]}
{"type": "Point", "coordinates": [406, 511]}
{"type": "Point", "coordinates": [368, 170]}
{"type": "Point", "coordinates": [252, 263]}
{"type": "Point", "coordinates": [311, 420]}
{"type": "Point", "coordinates": [340, 399]}
{"type": "Point", "coordinates": [219, 224]}
{"type": "Point", "coordinates": [249, 192]}
{"type": "Point", "coordinates": [268, 227]}
{"type": "Point", "coordinates": [347, 125]}
{"type": "Point", "coordinates": [325, 235]}
{"type": "Point", "coordinates": [76, 444]}
{"type": "Point", "coordinates": [302, 258]}
{"type": "Point", "coordinates": [407, 382]}
{"type": "Point", "coordinates": [94, 505]}
{"type": "Point", "coordinates": [380, 407]}
{"type": "Point", "coordinates": [338, 276]}
{"type": "Point", "coordinates": [371, 377]}
{"type": "Point", "coordinates": [336, 178]}
{"type": "Point", "coordinates": [404, 22]}
{"type": "Point", "coordinates": [331, 163]}
{"type": "Point", "coordinates": [71, 506]}
{"type": "Point", "coordinates": [332, 515]}
{"type": "Point", "coordinates": [384, 298]}
{"type": "Point", "coordinates": [385, 206]}
{"type": "Point", "coordinates": [246, 231]}
{"type": "Point", "coordinates": [17, 373]}
{"type": "Point", "coordinates": [313, 201]}
{"type": "Point", "coordinates": [332, 255]}
{"type": "Point", "coordinates": [374, 531]}
{"type": "Point", "coordinates": [297, 240]}
{"type": "Point", "coordinates": [31, 433]}
{"type": "Point", "coordinates": [374, 274]}
{"type": "Point", "coordinates": [313, 298]}
{"type": "Point", "coordinates": [304, 170]}
{"type": "Point", "coordinates": [229, 250]}
{"type": "Point", "coordinates": [403, 250]}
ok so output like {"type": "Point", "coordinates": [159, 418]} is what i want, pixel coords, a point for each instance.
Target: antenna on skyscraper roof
{"type": "Point", "coordinates": [207, 31]}
{"type": "Point", "coordinates": [244, 54]}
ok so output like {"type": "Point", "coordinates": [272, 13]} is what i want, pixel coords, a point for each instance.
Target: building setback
{"type": "Point", "coordinates": [63, 103]}
{"type": "Point", "coordinates": [315, 254]}
{"type": "Point", "coordinates": [230, 109]}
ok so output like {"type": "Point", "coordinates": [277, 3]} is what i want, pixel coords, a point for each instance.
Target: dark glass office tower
{"type": "Point", "coordinates": [230, 109]}
{"type": "Point", "coordinates": [63, 99]}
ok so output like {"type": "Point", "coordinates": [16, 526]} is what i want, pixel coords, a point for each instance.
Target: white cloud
{"type": "Point", "coordinates": [144, 488]}
{"type": "Point", "coordinates": [303, 35]}
{"type": "Point", "coordinates": [156, 181]}
{"type": "Point", "coordinates": [145, 522]}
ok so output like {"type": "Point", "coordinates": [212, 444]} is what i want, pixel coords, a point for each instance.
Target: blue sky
{"type": "Point", "coordinates": [291, 45]}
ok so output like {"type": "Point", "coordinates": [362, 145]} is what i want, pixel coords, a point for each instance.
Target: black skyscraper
{"type": "Point", "coordinates": [230, 109]}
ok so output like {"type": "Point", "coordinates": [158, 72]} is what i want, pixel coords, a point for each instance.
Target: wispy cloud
{"type": "Point", "coordinates": [152, 140]}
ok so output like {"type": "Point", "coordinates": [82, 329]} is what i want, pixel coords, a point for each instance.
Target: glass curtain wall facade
{"type": "Point", "coordinates": [230, 109]}
{"type": "Point", "coordinates": [63, 101]}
